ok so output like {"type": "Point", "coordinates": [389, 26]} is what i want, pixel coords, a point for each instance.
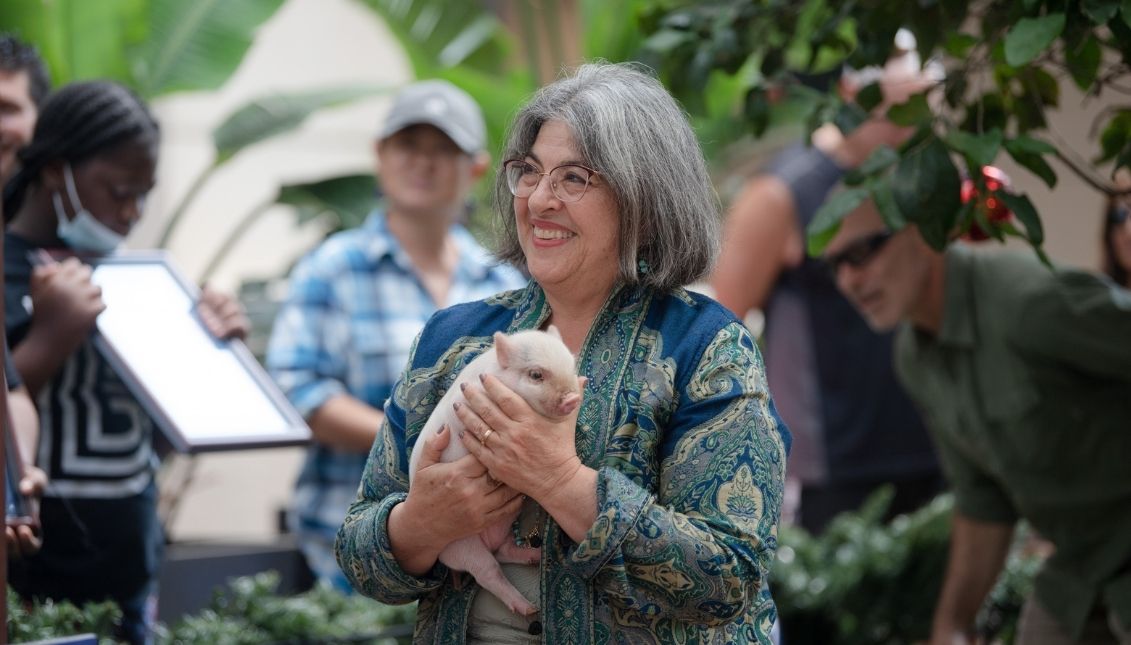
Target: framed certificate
{"type": "Point", "coordinates": [204, 394]}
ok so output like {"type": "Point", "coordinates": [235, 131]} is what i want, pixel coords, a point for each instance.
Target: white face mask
{"type": "Point", "coordinates": [84, 233]}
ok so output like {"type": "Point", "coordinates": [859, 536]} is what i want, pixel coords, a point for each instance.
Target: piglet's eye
{"type": "Point", "coordinates": [535, 375]}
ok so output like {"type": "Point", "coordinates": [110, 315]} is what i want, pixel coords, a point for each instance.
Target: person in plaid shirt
{"type": "Point", "coordinates": [358, 300]}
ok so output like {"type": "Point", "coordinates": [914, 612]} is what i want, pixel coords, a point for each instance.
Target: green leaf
{"type": "Point", "coordinates": [914, 112]}
{"type": "Point", "coordinates": [1028, 152]}
{"type": "Point", "coordinates": [613, 30]}
{"type": "Point", "coordinates": [979, 150]}
{"type": "Point", "coordinates": [351, 198]}
{"type": "Point", "coordinates": [884, 198]}
{"type": "Point", "coordinates": [881, 159]}
{"type": "Point", "coordinates": [1083, 62]}
{"type": "Point", "coordinates": [1030, 36]}
{"type": "Point", "coordinates": [1099, 11]}
{"type": "Point", "coordinates": [1115, 135]}
{"type": "Point", "coordinates": [1025, 212]}
{"type": "Point", "coordinates": [869, 97]}
{"type": "Point", "coordinates": [927, 188]}
{"type": "Point", "coordinates": [438, 34]}
{"type": "Point", "coordinates": [668, 40]}
{"type": "Point", "coordinates": [848, 117]}
{"type": "Point", "coordinates": [196, 45]}
{"type": "Point", "coordinates": [826, 221]}
{"type": "Point", "coordinates": [757, 110]}
{"type": "Point", "coordinates": [268, 116]}
{"type": "Point", "coordinates": [76, 38]}
{"type": "Point", "coordinates": [959, 44]}
{"type": "Point", "coordinates": [1026, 143]}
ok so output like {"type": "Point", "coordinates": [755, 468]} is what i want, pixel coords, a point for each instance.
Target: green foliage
{"type": "Point", "coordinates": [195, 45]}
{"type": "Point", "coordinates": [153, 46]}
{"type": "Point", "coordinates": [349, 199]}
{"type": "Point", "coordinates": [864, 582]}
{"type": "Point", "coordinates": [48, 619]}
{"type": "Point", "coordinates": [248, 612]}
{"type": "Point", "coordinates": [1004, 64]}
{"type": "Point", "coordinates": [268, 116]}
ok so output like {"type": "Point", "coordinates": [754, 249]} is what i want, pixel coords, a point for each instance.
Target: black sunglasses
{"type": "Point", "coordinates": [1118, 215]}
{"type": "Point", "coordinates": [858, 253]}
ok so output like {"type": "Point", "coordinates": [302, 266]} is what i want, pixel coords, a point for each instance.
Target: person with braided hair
{"type": "Point", "coordinates": [80, 188]}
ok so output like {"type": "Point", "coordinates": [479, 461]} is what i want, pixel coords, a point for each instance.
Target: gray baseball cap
{"type": "Point", "coordinates": [440, 104]}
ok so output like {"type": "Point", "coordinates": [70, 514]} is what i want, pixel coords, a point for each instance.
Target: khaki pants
{"type": "Point", "coordinates": [1037, 627]}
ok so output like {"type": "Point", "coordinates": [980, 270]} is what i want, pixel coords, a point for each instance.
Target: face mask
{"type": "Point", "coordinates": [84, 233]}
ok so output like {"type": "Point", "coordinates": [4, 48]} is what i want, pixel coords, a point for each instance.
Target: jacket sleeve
{"type": "Point", "coordinates": [699, 546]}
{"type": "Point", "coordinates": [362, 547]}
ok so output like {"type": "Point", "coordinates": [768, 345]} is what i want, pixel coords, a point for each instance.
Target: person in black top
{"type": "Point", "coordinates": [80, 188]}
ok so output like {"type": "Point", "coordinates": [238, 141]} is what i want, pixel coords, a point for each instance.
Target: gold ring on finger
{"type": "Point", "coordinates": [486, 436]}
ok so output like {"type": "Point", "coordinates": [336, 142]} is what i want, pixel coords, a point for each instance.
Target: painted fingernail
{"type": "Point", "coordinates": [482, 378]}
{"type": "Point", "coordinates": [463, 387]}
{"type": "Point", "coordinates": [461, 434]}
{"type": "Point", "coordinates": [456, 405]}
{"type": "Point", "coordinates": [443, 429]}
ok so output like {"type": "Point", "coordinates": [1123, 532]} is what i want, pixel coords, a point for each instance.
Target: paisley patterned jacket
{"type": "Point", "coordinates": [690, 455]}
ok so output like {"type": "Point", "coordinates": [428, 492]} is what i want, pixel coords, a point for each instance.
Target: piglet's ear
{"type": "Point", "coordinates": [553, 331]}
{"type": "Point", "coordinates": [503, 349]}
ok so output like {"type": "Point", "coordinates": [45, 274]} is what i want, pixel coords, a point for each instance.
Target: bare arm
{"type": "Point", "coordinates": [24, 540]}
{"type": "Point", "coordinates": [759, 240]}
{"type": "Point", "coordinates": [25, 420]}
{"type": "Point", "coordinates": [65, 304]}
{"type": "Point", "coordinates": [977, 555]}
{"type": "Point", "coordinates": [762, 235]}
{"type": "Point", "coordinates": [346, 423]}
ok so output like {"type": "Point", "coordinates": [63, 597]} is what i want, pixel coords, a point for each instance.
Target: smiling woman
{"type": "Point", "coordinates": [656, 503]}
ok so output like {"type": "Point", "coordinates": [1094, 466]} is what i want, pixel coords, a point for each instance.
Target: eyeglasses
{"type": "Point", "coordinates": [858, 253]}
{"type": "Point", "coordinates": [1118, 215]}
{"type": "Point", "coordinates": [568, 182]}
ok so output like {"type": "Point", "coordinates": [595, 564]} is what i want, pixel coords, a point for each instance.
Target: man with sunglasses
{"type": "Point", "coordinates": [854, 430]}
{"type": "Point", "coordinates": [1023, 373]}
{"type": "Point", "coordinates": [1117, 241]}
{"type": "Point", "coordinates": [358, 300]}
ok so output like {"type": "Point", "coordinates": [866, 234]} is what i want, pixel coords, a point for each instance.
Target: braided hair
{"type": "Point", "coordinates": [80, 121]}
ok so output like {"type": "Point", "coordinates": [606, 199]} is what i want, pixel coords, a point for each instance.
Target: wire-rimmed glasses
{"type": "Point", "coordinates": [568, 182]}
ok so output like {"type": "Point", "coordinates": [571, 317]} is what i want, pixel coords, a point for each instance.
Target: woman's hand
{"type": "Point", "coordinates": [65, 302]}
{"type": "Point", "coordinates": [222, 314]}
{"type": "Point", "coordinates": [23, 540]}
{"type": "Point", "coordinates": [530, 453]}
{"type": "Point", "coordinates": [446, 501]}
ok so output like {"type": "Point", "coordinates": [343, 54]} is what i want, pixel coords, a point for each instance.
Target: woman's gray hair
{"type": "Point", "coordinates": [628, 128]}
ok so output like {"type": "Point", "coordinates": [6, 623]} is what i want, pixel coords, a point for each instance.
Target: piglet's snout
{"type": "Point", "coordinates": [568, 403]}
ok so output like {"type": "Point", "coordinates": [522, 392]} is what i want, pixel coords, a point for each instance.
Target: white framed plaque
{"type": "Point", "coordinates": [205, 394]}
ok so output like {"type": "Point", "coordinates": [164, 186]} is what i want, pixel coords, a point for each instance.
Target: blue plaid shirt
{"type": "Point", "coordinates": [354, 307]}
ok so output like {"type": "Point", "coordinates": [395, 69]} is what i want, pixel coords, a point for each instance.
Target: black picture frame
{"type": "Point", "coordinates": [204, 394]}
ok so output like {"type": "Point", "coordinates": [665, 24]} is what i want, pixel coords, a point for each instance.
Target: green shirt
{"type": "Point", "coordinates": [1027, 391]}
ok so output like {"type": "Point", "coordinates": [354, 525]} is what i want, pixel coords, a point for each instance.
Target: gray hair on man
{"type": "Point", "coordinates": [628, 128]}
